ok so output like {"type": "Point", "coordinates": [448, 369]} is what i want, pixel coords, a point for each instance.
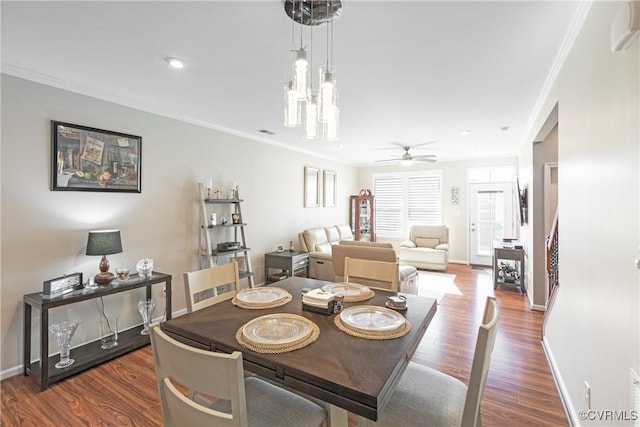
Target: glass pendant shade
{"type": "Point", "coordinates": [327, 95]}
{"type": "Point", "coordinates": [332, 125]}
{"type": "Point", "coordinates": [301, 80]}
{"type": "Point", "coordinates": [311, 117]}
{"type": "Point", "coordinates": [292, 111]}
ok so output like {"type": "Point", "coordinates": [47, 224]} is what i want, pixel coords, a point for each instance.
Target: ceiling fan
{"type": "Point", "coordinates": [407, 159]}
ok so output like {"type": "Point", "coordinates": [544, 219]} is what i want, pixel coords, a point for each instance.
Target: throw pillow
{"type": "Point", "coordinates": [426, 242]}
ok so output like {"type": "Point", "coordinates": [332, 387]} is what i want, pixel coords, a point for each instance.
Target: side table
{"type": "Point", "coordinates": [89, 355]}
{"type": "Point", "coordinates": [512, 254]}
{"type": "Point", "coordinates": [290, 262]}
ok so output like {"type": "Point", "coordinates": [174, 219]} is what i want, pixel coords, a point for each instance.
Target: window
{"type": "Point", "coordinates": [404, 199]}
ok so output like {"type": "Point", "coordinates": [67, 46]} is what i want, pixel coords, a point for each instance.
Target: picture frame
{"type": "Point", "coordinates": [311, 187]}
{"type": "Point", "coordinates": [62, 285]}
{"type": "Point", "coordinates": [330, 188]}
{"type": "Point", "coordinates": [90, 159]}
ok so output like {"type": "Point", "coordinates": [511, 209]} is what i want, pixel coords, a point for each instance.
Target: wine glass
{"type": "Point", "coordinates": [64, 332]}
{"type": "Point", "coordinates": [146, 308]}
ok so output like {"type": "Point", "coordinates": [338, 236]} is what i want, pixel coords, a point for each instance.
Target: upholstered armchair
{"type": "Point", "coordinates": [427, 247]}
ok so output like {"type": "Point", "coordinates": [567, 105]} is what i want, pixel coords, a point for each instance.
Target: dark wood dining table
{"type": "Point", "coordinates": [347, 373]}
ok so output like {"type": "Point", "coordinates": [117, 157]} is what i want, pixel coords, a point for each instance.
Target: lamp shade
{"type": "Point", "coordinates": [104, 242]}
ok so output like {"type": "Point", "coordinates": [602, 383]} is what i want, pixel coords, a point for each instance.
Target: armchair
{"type": "Point", "coordinates": [427, 247]}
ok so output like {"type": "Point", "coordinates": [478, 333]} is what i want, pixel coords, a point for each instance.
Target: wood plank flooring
{"type": "Point", "coordinates": [520, 390]}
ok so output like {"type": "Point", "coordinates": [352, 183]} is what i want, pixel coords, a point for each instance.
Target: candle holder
{"type": "Point", "coordinates": [64, 333]}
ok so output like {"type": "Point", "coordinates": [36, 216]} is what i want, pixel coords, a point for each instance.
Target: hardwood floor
{"type": "Point", "coordinates": [520, 390]}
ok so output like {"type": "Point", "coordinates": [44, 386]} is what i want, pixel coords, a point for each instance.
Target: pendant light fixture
{"type": "Point", "coordinates": [303, 105]}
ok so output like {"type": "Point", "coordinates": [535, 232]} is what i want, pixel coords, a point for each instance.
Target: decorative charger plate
{"type": "Point", "coordinates": [348, 290]}
{"type": "Point", "coordinates": [372, 318]}
{"type": "Point", "coordinates": [277, 329]}
{"type": "Point", "coordinates": [261, 295]}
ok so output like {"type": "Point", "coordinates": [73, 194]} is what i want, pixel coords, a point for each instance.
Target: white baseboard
{"type": "Point", "coordinates": [537, 307]}
{"type": "Point", "coordinates": [7, 373]}
{"type": "Point", "coordinates": [557, 378]}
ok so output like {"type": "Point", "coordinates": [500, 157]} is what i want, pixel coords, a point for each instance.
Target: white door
{"type": "Point", "coordinates": [490, 218]}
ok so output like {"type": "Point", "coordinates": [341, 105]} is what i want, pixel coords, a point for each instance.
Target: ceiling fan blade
{"type": "Point", "coordinates": [397, 159]}
{"type": "Point", "coordinates": [424, 156]}
{"type": "Point", "coordinates": [424, 143]}
{"type": "Point", "coordinates": [425, 159]}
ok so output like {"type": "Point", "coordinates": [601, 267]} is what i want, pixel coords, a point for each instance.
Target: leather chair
{"type": "Point", "coordinates": [427, 247]}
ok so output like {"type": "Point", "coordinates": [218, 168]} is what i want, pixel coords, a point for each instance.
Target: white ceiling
{"type": "Point", "coordinates": [407, 72]}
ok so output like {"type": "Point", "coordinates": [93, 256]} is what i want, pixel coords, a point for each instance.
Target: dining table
{"type": "Point", "coordinates": [346, 373]}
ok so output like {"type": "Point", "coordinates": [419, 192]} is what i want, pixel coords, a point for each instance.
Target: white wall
{"type": "Point", "coordinates": [454, 174]}
{"type": "Point", "coordinates": [44, 233]}
{"type": "Point", "coordinates": [593, 330]}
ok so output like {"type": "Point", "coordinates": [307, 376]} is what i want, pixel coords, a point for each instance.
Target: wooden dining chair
{"type": "Point", "coordinates": [431, 398]}
{"type": "Point", "coordinates": [374, 274]}
{"type": "Point", "coordinates": [238, 401]}
{"type": "Point", "coordinates": [201, 286]}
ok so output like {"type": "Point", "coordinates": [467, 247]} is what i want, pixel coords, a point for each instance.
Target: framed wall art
{"type": "Point", "coordinates": [89, 159]}
{"type": "Point", "coordinates": [311, 187]}
{"type": "Point", "coordinates": [330, 186]}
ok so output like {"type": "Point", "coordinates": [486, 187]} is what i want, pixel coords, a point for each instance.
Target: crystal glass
{"type": "Point", "coordinates": [146, 308]}
{"type": "Point", "coordinates": [64, 332]}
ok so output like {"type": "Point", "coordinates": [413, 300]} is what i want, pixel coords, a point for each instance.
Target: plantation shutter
{"type": "Point", "coordinates": [388, 198]}
{"type": "Point", "coordinates": [424, 199]}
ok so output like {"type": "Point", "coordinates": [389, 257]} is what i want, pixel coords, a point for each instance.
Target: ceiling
{"type": "Point", "coordinates": [407, 72]}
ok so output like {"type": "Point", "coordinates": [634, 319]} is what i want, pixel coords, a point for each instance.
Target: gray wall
{"type": "Point", "coordinates": [44, 233]}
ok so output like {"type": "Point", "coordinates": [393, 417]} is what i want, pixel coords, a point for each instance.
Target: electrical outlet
{"type": "Point", "coordinates": [587, 394]}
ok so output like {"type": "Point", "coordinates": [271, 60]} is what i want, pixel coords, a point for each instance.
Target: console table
{"type": "Point", "coordinates": [88, 355]}
{"type": "Point", "coordinates": [290, 261]}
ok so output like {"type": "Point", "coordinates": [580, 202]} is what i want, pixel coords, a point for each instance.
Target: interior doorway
{"type": "Point", "coordinates": [490, 218]}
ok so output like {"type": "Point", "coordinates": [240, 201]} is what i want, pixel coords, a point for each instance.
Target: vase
{"type": "Point", "coordinates": [64, 332]}
{"type": "Point", "coordinates": [146, 308]}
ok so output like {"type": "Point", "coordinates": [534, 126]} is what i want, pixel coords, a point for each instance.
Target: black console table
{"type": "Point", "coordinates": [88, 355]}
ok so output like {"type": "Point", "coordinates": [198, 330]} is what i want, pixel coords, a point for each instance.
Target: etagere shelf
{"type": "Point", "coordinates": [210, 234]}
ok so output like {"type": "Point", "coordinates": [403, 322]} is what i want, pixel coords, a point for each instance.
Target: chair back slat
{"type": "Point", "coordinates": [201, 285]}
{"type": "Point", "coordinates": [378, 274]}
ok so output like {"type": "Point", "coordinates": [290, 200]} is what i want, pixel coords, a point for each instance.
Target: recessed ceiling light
{"type": "Point", "coordinates": [465, 132]}
{"type": "Point", "coordinates": [175, 62]}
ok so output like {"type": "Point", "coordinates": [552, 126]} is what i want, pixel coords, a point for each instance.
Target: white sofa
{"type": "Point", "coordinates": [427, 247]}
{"type": "Point", "coordinates": [318, 242]}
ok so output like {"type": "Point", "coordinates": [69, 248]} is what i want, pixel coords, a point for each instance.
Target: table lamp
{"type": "Point", "coordinates": [104, 242]}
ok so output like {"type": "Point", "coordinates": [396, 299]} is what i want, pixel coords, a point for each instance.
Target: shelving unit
{"type": "Point", "coordinates": [90, 354]}
{"type": "Point", "coordinates": [210, 235]}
